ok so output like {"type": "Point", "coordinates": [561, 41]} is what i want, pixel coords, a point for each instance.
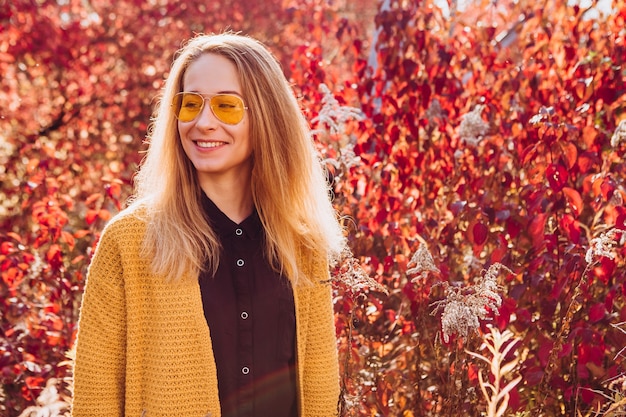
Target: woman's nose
{"type": "Point", "coordinates": [206, 119]}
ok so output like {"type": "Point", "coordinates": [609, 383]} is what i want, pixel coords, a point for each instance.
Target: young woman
{"type": "Point", "coordinates": [207, 295]}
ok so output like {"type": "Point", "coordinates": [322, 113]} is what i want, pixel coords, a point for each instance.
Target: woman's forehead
{"type": "Point", "coordinates": [211, 73]}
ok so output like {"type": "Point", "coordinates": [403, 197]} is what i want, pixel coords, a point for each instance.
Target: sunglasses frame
{"type": "Point", "coordinates": [205, 98]}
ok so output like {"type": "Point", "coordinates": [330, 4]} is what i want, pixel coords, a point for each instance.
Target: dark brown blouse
{"type": "Point", "coordinates": [249, 308]}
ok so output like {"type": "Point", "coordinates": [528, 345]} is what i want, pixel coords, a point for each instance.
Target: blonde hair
{"type": "Point", "coordinates": [289, 186]}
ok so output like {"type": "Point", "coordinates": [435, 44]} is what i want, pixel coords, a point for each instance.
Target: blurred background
{"type": "Point", "coordinates": [476, 149]}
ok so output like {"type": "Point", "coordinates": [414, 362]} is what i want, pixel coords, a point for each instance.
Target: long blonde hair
{"type": "Point", "coordinates": [289, 186]}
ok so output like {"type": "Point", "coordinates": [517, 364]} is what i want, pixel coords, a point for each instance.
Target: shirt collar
{"type": "Point", "coordinates": [224, 226]}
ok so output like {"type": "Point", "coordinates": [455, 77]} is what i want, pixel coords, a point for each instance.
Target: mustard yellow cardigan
{"type": "Point", "coordinates": [144, 348]}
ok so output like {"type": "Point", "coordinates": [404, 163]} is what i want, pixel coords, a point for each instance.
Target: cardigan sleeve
{"type": "Point", "coordinates": [320, 377]}
{"type": "Point", "coordinates": [100, 345]}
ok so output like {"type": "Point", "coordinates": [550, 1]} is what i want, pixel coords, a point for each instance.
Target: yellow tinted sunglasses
{"type": "Point", "coordinates": [228, 108]}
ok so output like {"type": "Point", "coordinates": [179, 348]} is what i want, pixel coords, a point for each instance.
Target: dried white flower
{"type": "Point", "coordinates": [602, 246]}
{"type": "Point", "coordinates": [619, 135]}
{"type": "Point", "coordinates": [36, 267]}
{"type": "Point", "coordinates": [618, 385]}
{"type": "Point", "coordinates": [49, 403]}
{"type": "Point", "coordinates": [347, 157]}
{"type": "Point", "coordinates": [544, 115]}
{"type": "Point", "coordinates": [350, 272]}
{"type": "Point", "coordinates": [469, 259]}
{"type": "Point", "coordinates": [537, 118]}
{"type": "Point", "coordinates": [333, 114]}
{"type": "Point", "coordinates": [434, 111]}
{"type": "Point", "coordinates": [460, 316]}
{"type": "Point", "coordinates": [473, 128]}
{"type": "Point", "coordinates": [423, 261]}
{"type": "Point", "coordinates": [464, 307]}
{"type": "Point", "coordinates": [616, 198]}
{"type": "Point", "coordinates": [6, 150]}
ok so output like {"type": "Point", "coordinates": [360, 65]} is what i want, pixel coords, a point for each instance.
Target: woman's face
{"type": "Point", "coordinates": [219, 151]}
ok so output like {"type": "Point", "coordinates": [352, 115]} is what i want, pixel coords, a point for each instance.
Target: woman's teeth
{"type": "Point", "coordinates": [209, 144]}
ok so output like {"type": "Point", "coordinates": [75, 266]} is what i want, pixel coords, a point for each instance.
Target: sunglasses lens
{"type": "Point", "coordinates": [187, 106]}
{"type": "Point", "coordinates": [228, 108]}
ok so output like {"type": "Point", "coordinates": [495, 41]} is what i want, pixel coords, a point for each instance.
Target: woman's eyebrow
{"type": "Point", "coordinates": [229, 92]}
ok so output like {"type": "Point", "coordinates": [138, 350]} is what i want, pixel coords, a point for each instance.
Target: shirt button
{"type": "Point", "coordinates": [239, 262]}
{"type": "Point", "coordinates": [245, 370]}
{"type": "Point", "coordinates": [244, 315]}
{"type": "Point", "coordinates": [239, 232]}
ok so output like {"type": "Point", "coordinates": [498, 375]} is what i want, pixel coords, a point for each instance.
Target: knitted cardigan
{"type": "Point", "coordinates": [144, 347]}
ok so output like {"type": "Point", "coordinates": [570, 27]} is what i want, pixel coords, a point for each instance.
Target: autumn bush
{"type": "Point", "coordinates": [477, 155]}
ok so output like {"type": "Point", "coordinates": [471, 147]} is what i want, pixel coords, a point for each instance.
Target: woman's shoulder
{"type": "Point", "coordinates": [130, 221]}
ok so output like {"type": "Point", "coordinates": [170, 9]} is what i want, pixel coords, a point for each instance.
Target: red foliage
{"type": "Point", "coordinates": [485, 136]}
{"type": "Point", "coordinates": [538, 183]}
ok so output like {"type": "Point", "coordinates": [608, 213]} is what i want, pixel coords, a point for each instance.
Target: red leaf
{"type": "Point", "coordinates": [557, 176]}
{"type": "Point", "coordinates": [79, 234]}
{"type": "Point", "coordinates": [6, 248]}
{"type": "Point", "coordinates": [597, 312]}
{"type": "Point", "coordinates": [570, 154]}
{"type": "Point", "coordinates": [536, 229]}
{"type": "Point", "coordinates": [501, 250]}
{"type": "Point", "coordinates": [566, 349]}
{"type": "Point", "coordinates": [68, 238]}
{"type": "Point", "coordinates": [472, 373]}
{"type": "Point", "coordinates": [91, 215]}
{"type": "Point", "coordinates": [479, 234]}
{"type": "Point", "coordinates": [15, 236]}
{"type": "Point", "coordinates": [571, 226]}
{"type": "Point", "coordinates": [104, 214]}
{"type": "Point", "coordinates": [607, 188]}
{"type": "Point", "coordinates": [32, 165]}
{"type": "Point", "coordinates": [587, 395]}
{"type": "Point", "coordinates": [620, 222]}
{"type": "Point", "coordinates": [590, 353]}
{"type": "Point", "coordinates": [537, 173]}
{"type": "Point", "coordinates": [605, 270]}
{"type": "Point", "coordinates": [533, 375]}
{"type": "Point", "coordinates": [10, 276]}
{"type": "Point", "coordinates": [574, 200]}
{"type": "Point", "coordinates": [586, 161]}
{"type": "Point", "coordinates": [92, 198]}
{"type": "Point", "coordinates": [513, 227]}
{"type": "Point", "coordinates": [54, 253]}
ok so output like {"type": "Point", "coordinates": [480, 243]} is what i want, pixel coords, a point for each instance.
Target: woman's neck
{"type": "Point", "coordinates": [233, 198]}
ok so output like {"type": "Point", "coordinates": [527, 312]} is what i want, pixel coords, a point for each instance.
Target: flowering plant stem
{"type": "Point", "coordinates": [497, 393]}
{"type": "Point", "coordinates": [562, 335]}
